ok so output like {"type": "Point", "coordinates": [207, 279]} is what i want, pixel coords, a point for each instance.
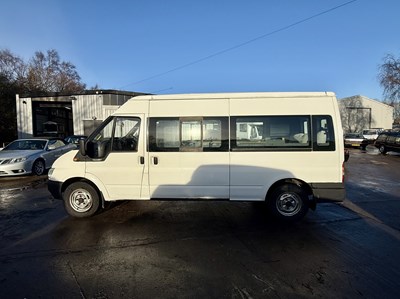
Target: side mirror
{"type": "Point", "coordinates": [81, 145]}
{"type": "Point", "coordinates": [97, 149]}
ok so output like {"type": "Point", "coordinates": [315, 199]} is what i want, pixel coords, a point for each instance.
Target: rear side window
{"type": "Point", "coordinates": [271, 133]}
{"type": "Point", "coordinates": [188, 134]}
{"type": "Point", "coordinates": [282, 133]}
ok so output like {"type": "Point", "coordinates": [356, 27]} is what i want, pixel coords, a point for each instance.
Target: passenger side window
{"type": "Point", "coordinates": [188, 134]}
{"type": "Point", "coordinates": [191, 135]}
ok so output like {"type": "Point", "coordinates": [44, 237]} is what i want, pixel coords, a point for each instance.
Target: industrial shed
{"type": "Point", "coordinates": [57, 114]}
{"type": "Point", "coordinates": [359, 113]}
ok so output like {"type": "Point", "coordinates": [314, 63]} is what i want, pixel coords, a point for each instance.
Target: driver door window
{"type": "Point", "coordinates": [120, 134]}
{"type": "Point", "coordinates": [126, 135]}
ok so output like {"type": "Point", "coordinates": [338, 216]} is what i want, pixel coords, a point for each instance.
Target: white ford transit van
{"type": "Point", "coordinates": [282, 148]}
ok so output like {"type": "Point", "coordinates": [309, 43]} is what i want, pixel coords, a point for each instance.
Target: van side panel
{"type": "Point", "coordinates": [252, 173]}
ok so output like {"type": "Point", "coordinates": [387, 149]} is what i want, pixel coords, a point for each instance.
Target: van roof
{"type": "Point", "coordinates": [234, 95]}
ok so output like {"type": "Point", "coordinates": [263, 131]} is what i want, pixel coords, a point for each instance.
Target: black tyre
{"type": "Point", "coordinates": [288, 203]}
{"type": "Point", "coordinates": [38, 167]}
{"type": "Point", "coordinates": [382, 149]}
{"type": "Point", "coordinates": [81, 200]}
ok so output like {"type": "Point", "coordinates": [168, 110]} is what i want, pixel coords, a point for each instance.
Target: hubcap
{"type": "Point", "coordinates": [81, 200]}
{"type": "Point", "coordinates": [289, 204]}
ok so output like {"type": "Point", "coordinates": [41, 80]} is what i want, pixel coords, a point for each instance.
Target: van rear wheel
{"type": "Point", "coordinates": [81, 200]}
{"type": "Point", "coordinates": [288, 203]}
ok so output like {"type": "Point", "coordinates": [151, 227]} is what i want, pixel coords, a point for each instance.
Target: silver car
{"type": "Point", "coordinates": [25, 156]}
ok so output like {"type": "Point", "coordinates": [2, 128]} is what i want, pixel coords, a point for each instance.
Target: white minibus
{"type": "Point", "coordinates": [282, 148]}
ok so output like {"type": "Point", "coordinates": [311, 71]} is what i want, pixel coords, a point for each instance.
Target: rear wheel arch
{"type": "Point", "coordinates": [296, 182]}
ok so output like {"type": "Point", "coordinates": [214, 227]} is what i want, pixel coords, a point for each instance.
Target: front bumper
{"type": "Point", "coordinates": [328, 192]}
{"type": "Point", "coordinates": [16, 168]}
{"type": "Point", "coordinates": [54, 188]}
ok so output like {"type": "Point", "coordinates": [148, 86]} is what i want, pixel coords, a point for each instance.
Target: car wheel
{"type": "Point", "coordinates": [81, 200]}
{"type": "Point", "coordinates": [38, 167]}
{"type": "Point", "coordinates": [288, 203]}
{"type": "Point", "coordinates": [382, 149]}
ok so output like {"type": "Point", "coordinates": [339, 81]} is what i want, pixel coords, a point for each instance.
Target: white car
{"type": "Point", "coordinates": [35, 155]}
{"type": "Point", "coordinates": [371, 134]}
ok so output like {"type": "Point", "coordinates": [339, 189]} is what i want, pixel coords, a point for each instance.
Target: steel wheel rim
{"type": "Point", "coordinates": [289, 204]}
{"type": "Point", "coordinates": [81, 200]}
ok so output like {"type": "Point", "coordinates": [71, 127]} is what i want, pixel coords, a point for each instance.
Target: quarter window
{"type": "Point", "coordinates": [323, 134]}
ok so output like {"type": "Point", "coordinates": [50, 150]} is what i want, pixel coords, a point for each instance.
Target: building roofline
{"type": "Point", "coordinates": [366, 98]}
{"type": "Point", "coordinates": [84, 92]}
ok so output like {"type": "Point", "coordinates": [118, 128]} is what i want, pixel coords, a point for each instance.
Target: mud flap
{"type": "Point", "coordinates": [312, 204]}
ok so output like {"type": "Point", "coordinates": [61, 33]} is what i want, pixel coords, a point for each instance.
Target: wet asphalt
{"type": "Point", "coordinates": [205, 249]}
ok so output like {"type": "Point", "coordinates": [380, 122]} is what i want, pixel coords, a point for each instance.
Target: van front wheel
{"type": "Point", "coordinates": [288, 203]}
{"type": "Point", "coordinates": [81, 200]}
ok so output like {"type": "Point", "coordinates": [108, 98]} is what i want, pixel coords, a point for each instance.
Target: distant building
{"type": "Point", "coordinates": [60, 114]}
{"type": "Point", "coordinates": [359, 113]}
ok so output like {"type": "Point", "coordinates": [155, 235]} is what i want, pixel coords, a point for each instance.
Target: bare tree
{"type": "Point", "coordinates": [47, 73]}
{"type": "Point", "coordinates": [389, 78]}
{"type": "Point", "coordinates": [12, 68]}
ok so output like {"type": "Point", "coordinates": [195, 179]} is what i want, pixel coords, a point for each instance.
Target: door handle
{"type": "Point", "coordinates": [141, 160]}
{"type": "Point", "coordinates": [155, 160]}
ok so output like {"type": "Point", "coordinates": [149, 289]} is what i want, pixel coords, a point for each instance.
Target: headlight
{"type": "Point", "coordinates": [15, 160]}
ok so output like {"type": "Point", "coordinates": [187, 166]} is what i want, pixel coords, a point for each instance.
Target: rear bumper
{"type": "Point", "coordinates": [54, 188]}
{"type": "Point", "coordinates": [328, 192]}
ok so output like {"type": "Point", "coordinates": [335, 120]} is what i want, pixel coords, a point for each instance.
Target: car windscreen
{"type": "Point", "coordinates": [26, 145]}
{"type": "Point", "coordinates": [353, 136]}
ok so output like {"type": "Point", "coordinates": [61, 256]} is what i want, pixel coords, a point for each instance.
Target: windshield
{"type": "Point", "coordinates": [26, 145]}
{"type": "Point", "coordinates": [370, 132]}
{"type": "Point", "coordinates": [353, 135]}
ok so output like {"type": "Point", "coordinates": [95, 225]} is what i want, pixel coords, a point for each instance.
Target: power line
{"type": "Point", "coordinates": [241, 44]}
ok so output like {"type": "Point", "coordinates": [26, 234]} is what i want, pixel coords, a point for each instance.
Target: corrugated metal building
{"type": "Point", "coordinates": [61, 115]}
{"type": "Point", "coordinates": [359, 113]}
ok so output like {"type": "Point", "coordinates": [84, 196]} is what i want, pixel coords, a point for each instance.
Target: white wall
{"type": "Point", "coordinates": [86, 107]}
{"type": "Point", "coordinates": [24, 117]}
{"type": "Point", "coordinates": [355, 120]}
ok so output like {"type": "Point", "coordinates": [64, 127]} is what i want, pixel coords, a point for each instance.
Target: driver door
{"type": "Point", "coordinates": [120, 166]}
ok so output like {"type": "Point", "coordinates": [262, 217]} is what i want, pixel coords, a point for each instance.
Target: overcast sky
{"type": "Point", "coordinates": [188, 46]}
